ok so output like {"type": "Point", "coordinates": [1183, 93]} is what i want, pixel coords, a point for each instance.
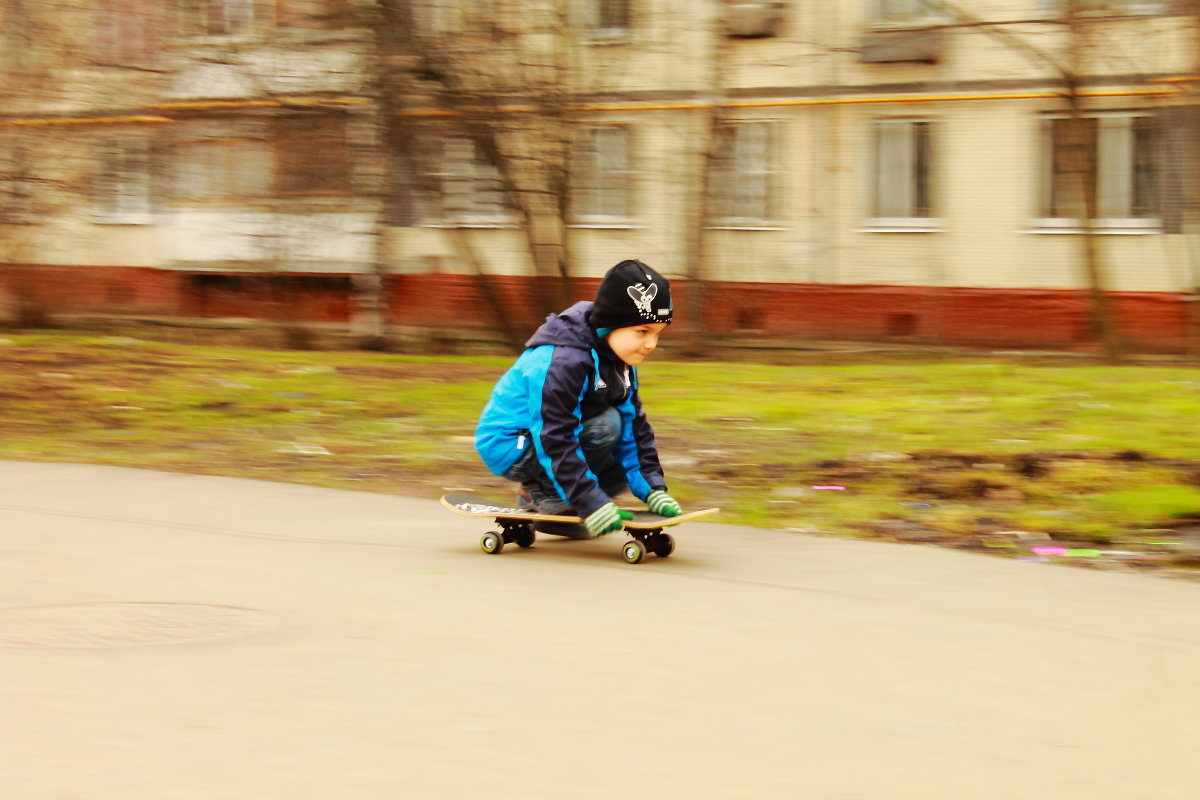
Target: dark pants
{"type": "Point", "coordinates": [597, 440]}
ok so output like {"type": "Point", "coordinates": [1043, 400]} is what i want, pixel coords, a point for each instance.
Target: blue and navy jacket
{"type": "Point", "coordinates": [567, 375]}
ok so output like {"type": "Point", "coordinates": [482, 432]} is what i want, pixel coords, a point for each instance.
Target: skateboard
{"type": "Point", "coordinates": [517, 525]}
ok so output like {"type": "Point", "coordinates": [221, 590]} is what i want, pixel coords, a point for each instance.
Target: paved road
{"type": "Point", "coordinates": [173, 637]}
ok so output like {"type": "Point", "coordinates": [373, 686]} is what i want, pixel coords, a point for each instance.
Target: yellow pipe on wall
{"type": "Point", "coordinates": [140, 120]}
{"type": "Point", "coordinates": [189, 105]}
{"type": "Point", "coordinates": [817, 101]}
{"type": "Point", "coordinates": [439, 112]}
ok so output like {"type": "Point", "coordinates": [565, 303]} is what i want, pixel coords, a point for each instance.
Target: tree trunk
{"type": "Point", "coordinates": [696, 252]}
{"type": "Point", "coordinates": [1082, 154]}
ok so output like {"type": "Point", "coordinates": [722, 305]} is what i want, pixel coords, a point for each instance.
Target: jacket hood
{"type": "Point", "coordinates": [568, 329]}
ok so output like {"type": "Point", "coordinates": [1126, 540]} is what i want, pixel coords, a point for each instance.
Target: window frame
{"type": "Point", "coordinates": [460, 18]}
{"type": "Point", "coordinates": [244, 142]}
{"type": "Point", "coordinates": [18, 187]}
{"type": "Point", "coordinates": [877, 220]}
{"type": "Point", "coordinates": [588, 15]}
{"type": "Point", "coordinates": [295, 139]}
{"type": "Point", "coordinates": [109, 49]}
{"type": "Point", "coordinates": [1043, 222]}
{"type": "Point", "coordinates": [1051, 9]}
{"type": "Point", "coordinates": [931, 16]}
{"type": "Point", "coordinates": [728, 170]}
{"type": "Point", "coordinates": [452, 166]}
{"type": "Point", "coordinates": [287, 17]}
{"type": "Point", "coordinates": [191, 19]}
{"type": "Point", "coordinates": [592, 211]}
{"type": "Point", "coordinates": [148, 153]}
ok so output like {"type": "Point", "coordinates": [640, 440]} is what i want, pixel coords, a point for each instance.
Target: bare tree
{"type": "Point", "coordinates": [502, 84]}
{"type": "Point", "coordinates": [1184, 136]}
{"type": "Point", "coordinates": [43, 156]}
{"type": "Point", "coordinates": [1078, 145]}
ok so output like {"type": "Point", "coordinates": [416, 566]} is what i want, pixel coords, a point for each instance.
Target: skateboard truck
{"type": "Point", "coordinates": [521, 533]}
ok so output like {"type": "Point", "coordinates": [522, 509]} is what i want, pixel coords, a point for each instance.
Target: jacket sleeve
{"type": "Point", "coordinates": [556, 423]}
{"type": "Point", "coordinates": [637, 449]}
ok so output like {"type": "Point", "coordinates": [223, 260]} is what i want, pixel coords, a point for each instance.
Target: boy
{"type": "Point", "coordinates": [565, 420]}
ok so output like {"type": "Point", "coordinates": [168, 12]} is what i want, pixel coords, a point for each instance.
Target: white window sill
{"type": "Point", "coordinates": [607, 36]}
{"type": "Point", "coordinates": [909, 24]}
{"type": "Point", "coordinates": [125, 219]}
{"type": "Point", "coordinates": [498, 225]}
{"type": "Point", "coordinates": [242, 37]}
{"type": "Point", "coordinates": [203, 204]}
{"type": "Point", "coordinates": [745, 226]}
{"type": "Point", "coordinates": [20, 219]}
{"type": "Point", "coordinates": [611, 224]}
{"type": "Point", "coordinates": [1140, 10]}
{"type": "Point", "coordinates": [1119, 227]}
{"type": "Point", "coordinates": [904, 225]}
{"type": "Point", "coordinates": [149, 65]}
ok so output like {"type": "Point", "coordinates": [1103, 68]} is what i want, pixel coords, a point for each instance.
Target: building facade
{"type": "Point", "coordinates": [867, 169]}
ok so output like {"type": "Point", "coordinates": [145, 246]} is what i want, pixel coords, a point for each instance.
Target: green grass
{"type": "Point", "coordinates": [1110, 448]}
{"type": "Point", "coordinates": [1152, 502]}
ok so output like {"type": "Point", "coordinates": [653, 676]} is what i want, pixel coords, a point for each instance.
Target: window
{"type": "Point", "coordinates": [313, 156]}
{"type": "Point", "coordinates": [16, 181]}
{"type": "Point", "coordinates": [600, 174]}
{"type": "Point", "coordinates": [1116, 150]}
{"type": "Point", "coordinates": [223, 162]}
{"type": "Point", "coordinates": [902, 194]}
{"type": "Point", "coordinates": [1101, 8]}
{"type": "Point", "coordinates": [127, 32]}
{"type": "Point", "coordinates": [461, 17]}
{"type": "Point", "coordinates": [315, 14]}
{"type": "Point", "coordinates": [126, 180]}
{"type": "Point", "coordinates": [470, 188]}
{"type": "Point", "coordinates": [17, 34]}
{"type": "Point", "coordinates": [218, 17]}
{"type": "Point", "coordinates": [744, 173]}
{"type": "Point", "coordinates": [604, 18]}
{"type": "Point", "coordinates": [908, 12]}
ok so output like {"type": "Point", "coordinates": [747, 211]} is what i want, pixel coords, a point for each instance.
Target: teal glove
{"type": "Point", "coordinates": [606, 519]}
{"type": "Point", "coordinates": [661, 503]}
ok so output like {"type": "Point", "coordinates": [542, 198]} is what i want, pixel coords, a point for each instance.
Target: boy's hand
{"type": "Point", "coordinates": [606, 519]}
{"type": "Point", "coordinates": [661, 503]}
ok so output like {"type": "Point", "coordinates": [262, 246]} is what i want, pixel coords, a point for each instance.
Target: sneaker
{"type": "Point", "coordinates": [536, 497]}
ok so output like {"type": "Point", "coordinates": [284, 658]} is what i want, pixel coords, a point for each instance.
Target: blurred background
{"type": "Point", "coordinates": [1011, 173]}
{"type": "Point", "coordinates": [949, 213]}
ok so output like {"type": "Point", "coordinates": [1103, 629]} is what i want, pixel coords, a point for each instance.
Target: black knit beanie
{"type": "Point", "coordinates": [631, 294]}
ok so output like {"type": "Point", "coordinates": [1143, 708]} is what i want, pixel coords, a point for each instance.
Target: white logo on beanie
{"type": "Point", "coordinates": [642, 298]}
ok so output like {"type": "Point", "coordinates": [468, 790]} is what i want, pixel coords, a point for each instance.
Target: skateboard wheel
{"type": "Point", "coordinates": [492, 542]}
{"type": "Point", "coordinates": [633, 551]}
{"type": "Point", "coordinates": [525, 537]}
{"type": "Point", "coordinates": [662, 545]}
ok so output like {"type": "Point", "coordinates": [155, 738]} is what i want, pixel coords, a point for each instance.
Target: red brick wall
{"type": "Point", "coordinates": [78, 290]}
{"type": "Point", "coordinates": [1024, 318]}
{"type": "Point", "coordinates": [1016, 318]}
{"type": "Point", "coordinates": [302, 298]}
{"type": "Point", "coordinates": [1050, 318]}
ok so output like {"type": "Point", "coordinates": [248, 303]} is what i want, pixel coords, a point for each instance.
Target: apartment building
{"type": "Point", "coordinates": [867, 169]}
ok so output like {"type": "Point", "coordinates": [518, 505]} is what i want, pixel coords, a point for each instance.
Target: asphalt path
{"type": "Point", "coordinates": [176, 637]}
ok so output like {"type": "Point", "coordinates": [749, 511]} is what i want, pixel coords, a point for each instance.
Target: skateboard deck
{"type": "Point", "coordinates": [517, 525]}
{"type": "Point", "coordinates": [472, 505]}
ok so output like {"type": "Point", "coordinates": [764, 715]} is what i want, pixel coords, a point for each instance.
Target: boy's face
{"type": "Point", "coordinates": [634, 343]}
